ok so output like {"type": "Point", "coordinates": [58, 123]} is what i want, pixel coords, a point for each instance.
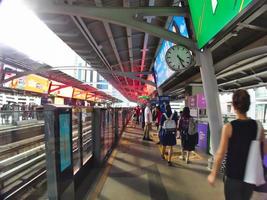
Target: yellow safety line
{"type": "Point", "coordinates": [241, 6]}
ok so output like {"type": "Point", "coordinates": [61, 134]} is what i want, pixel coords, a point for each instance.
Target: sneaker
{"type": "Point", "coordinates": [169, 163]}
{"type": "Point", "coordinates": [163, 157]}
{"type": "Point", "coordinates": [149, 139]}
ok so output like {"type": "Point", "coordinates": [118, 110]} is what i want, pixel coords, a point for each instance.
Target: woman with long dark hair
{"type": "Point", "coordinates": [188, 141]}
{"type": "Point", "coordinates": [235, 141]}
{"type": "Point", "coordinates": [168, 134]}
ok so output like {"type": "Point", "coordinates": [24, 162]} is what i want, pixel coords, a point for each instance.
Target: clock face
{"type": "Point", "coordinates": [179, 58]}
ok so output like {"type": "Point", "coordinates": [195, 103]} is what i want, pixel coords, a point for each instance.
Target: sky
{"type": "Point", "coordinates": [22, 30]}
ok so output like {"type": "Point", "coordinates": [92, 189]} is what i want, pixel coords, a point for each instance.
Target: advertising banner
{"type": "Point", "coordinates": [31, 83]}
{"type": "Point", "coordinates": [192, 101]}
{"type": "Point", "coordinates": [79, 94]}
{"type": "Point", "coordinates": [211, 16]}
{"type": "Point", "coordinates": [201, 101]}
{"type": "Point", "coordinates": [203, 136]}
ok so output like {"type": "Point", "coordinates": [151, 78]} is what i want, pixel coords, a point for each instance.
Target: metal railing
{"type": "Point", "coordinates": [8, 118]}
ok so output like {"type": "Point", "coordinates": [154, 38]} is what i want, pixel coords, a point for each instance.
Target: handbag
{"type": "Point", "coordinates": [254, 173]}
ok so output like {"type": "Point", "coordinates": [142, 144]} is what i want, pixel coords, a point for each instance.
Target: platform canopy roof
{"type": "Point", "coordinates": [26, 66]}
{"type": "Point", "coordinates": [113, 35]}
{"type": "Point", "coordinates": [121, 39]}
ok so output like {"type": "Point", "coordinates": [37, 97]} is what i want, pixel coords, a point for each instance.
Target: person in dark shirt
{"type": "Point", "coordinates": [167, 138]}
{"type": "Point", "coordinates": [235, 141]}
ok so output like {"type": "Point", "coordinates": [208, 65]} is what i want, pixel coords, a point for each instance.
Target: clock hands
{"type": "Point", "coordinates": [181, 60]}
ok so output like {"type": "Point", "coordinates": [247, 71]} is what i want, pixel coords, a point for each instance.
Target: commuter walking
{"type": "Point", "coordinates": [143, 116]}
{"type": "Point", "coordinates": [133, 119]}
{"type": "Point", "coordinates": [159, 114]}
{"type": "Point", "coordinates": [168, 128]}
{"type": "Point", "coordinates": [154, 114]}
{"type": "Point", "coordinates": [148, 122]}
{"type": "Point", "coordinates": [137, 112]}
{"type": "Point", "coordinates": [158, 117]}
{"type": "Point", "coordinates": [236, 140]}
{"type": "Point", "coordinates": [188, 133]}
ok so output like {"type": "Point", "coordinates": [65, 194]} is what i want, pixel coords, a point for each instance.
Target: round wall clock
{"type": "Point", "coordinates": [179, 58]}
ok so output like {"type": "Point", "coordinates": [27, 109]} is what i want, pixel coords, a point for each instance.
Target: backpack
{"type": "Point", "coordinates": [169, 124]}
{"type": "Point", "coordinates": [192, 127]}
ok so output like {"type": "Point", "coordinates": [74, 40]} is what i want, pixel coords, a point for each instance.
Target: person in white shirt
{"type": "Point", "coordinates": [148, 122]}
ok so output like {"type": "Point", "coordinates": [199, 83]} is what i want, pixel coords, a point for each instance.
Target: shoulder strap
{"type": "Point", "coordinates": [165, 115]}
{"type": "Point", "coordinates": [259, 129]}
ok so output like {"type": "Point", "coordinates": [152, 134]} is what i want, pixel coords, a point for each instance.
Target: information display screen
{"type": "Point", "coordinates": [65, 142]}
{"type": "Point", "coordinates": [162, 71]}
{"type": "Point", "coordinates": [211, 16]}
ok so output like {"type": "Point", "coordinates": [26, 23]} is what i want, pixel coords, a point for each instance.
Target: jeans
{"type": "Point", "coordinates": [237, 190]}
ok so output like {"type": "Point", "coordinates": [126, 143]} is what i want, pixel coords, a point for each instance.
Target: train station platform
{"type": "Point", "coordinates": [136, 171]}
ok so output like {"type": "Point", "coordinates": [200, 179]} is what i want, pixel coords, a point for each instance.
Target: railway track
{"type": "Point", "coordinates": [23, 160]}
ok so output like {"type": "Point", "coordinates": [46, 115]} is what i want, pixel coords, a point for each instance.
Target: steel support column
{"type": "Point", "coordinates": [212, 97]}
{"type": "Point", "coordinates": [2, 73]}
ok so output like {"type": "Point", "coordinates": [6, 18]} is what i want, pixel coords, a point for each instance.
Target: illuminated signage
{"type": "Point", "coordinates": [65, 143]}
{"type": "Point", "coordinates": [211, 16]}
{"type": "Point", "coordinates": [162, 71]}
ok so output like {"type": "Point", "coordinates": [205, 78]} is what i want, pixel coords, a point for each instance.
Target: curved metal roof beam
{"type": "Point", "coordinates": [127, 17]}
{"type": "Point", "coordinates": [239, 57]}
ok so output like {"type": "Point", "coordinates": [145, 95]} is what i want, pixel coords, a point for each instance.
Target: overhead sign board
{"type": "Point", "coordinates": [31, 83]}
{"type": "Point", "coordinates": [62, 92]}
{"type": "Point", "coordinates": [79, 94]}
{"type": "Point", "coordinates": [211, 16]}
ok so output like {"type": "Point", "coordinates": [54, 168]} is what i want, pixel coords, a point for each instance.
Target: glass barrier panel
{"type": "Point", "coordinates": [87, 135]}
{"type": "Point", "coordinates": [76, 140]}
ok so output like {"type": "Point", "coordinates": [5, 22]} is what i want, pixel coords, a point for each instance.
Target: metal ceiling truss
{"type": "Point", "coordinates": [231, 60]}
{"type": "Point", "coordinates": [86, 33]}
{"type": "Point", "coordinates": [131, 75]}
{"type": "Point", "coordinates": [258, 75]}
{"type": "Point", "coordinates": [111, 39]}
{"type": "Point", "coordinates": [127, 17]}
{"type": "Point", "coordinates": [242, 25]}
